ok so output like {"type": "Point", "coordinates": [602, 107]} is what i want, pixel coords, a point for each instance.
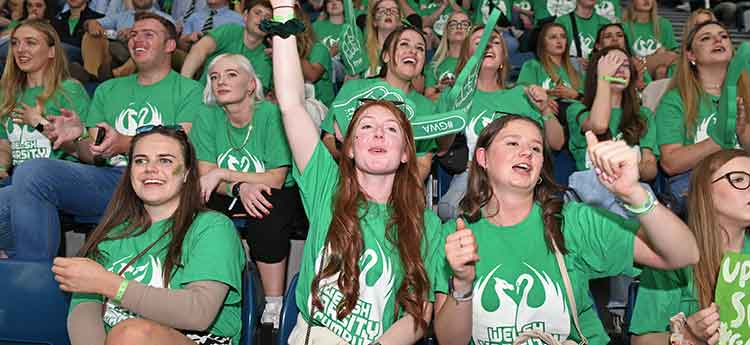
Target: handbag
{"type": "Point", "coordinates": [544, 336]}
{"type": "Point", "coordinates": [456, 159]}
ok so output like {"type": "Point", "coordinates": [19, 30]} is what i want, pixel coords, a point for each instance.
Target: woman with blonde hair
{"type": "Point", "coordinates": [650, 35]}
{"type": "Point", "coordinates": [440, 73]}
{"type": "Point", "coordinates": [717, 216]}
{"type": "Point", "coordinates": [688, 110]}
{"type": "Point", "coordinates": [35, 84]}
{"type": "Point", "coordinates": [383, 17]}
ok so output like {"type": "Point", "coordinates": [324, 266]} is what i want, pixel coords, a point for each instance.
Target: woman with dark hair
{"type": "Point", "coordinates": [718, 217]}
{"type": "Point", "coordinates": [159, 268]}
{"type": "Point", "coordinates": [552, 69]}
{"type": "Point", "coordinates": [613, 35]}
{"type": "Point", "coordinates": [402, 61]}
{"type": "Point", "coordinates": [370, 253]}
{"type": "Point", "coordinates": [518, 222]}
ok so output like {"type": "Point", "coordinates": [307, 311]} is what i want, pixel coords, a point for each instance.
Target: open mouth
{"type": "Point", "coordinates": [523, 168]}
{"type": "Point", "coordinates": [409, 60]}
{"type": "Point", "coordinates": [24, 59]}
{"type": "Point", "coordinates": [377, 150]}
{"type": "Point", "coordinates": [719, 49]}
{"type": "Point", "coordinates": [153, 182]}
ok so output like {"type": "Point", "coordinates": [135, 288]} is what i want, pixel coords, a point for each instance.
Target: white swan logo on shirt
{"type": "Point", "coordinates": [560, 7]}
{"type": "Point", "coordinates": [645, 47]}
{"type": "Point", "coordinates": [501, 326]}
{"type": "Point", "coordinates": [242, 162]}
{"type": "Point", "coordinates": [439, 26]}
{"type": "Point", "coordinates": [524, 5]}
{"type": "Point", "coordinates": [149, 273]}
{"type": "Point", "coordinates": [26, 143]}
{"type": "Point", "coordinates": [330, 41]}
{"type": "Point", "coordinates": [701, 133]}
{"type": "Point", "coordinates": [486, 9]}
{"type": "Point", "coordinates": [130, 118]}
{"type": "Point", "coordinates": [586, 41]}
{"type": "Point", "coordinates": [606, 9]}
{"type": "Point", "coordinates": [377, 92]}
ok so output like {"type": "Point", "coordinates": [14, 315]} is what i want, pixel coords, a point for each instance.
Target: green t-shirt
{"type": "Point", "coordinates": [259, 146]}
{"type": "Point", "coordinates": [670, 119]}
{"type": "Point", "coordinates": [644, 42]}
{"type": "Point", "coordinates": [72, 22]}
{"type": "Point", "coordinates": [610, 9]}
{"type": "Point", "coordinates": [577, 141]}
{"type": "Point", "coordinates": [381, 271]}
{"type": "Point", "coordinates": [348, 100]}
{"type": "Point", "coordinates": [532, 72]}
{"type": "Point", "coordinates": [27, 143]}
{"type": "Point", "coordinates": [433, 74]}
{"type": "Point", "coordinates": [662, 294]}
{"type": "Point", "coordinates": [426, 8]}
{"type": "Point", "coordinates": [587, 30]}
{"type": "Point", "coordinates": [229, 38]}
{"type": "Point", "coordinates": [324, 86]}
{"type": "Point", "coordinates": [327, 32]}
{"type": "Point", "coordinates": [125, 105]}
{"type": "Point", "coordinates": [485, 108]}
{"type": "Point", "coordinates": [211, 250]}
{"type": "Point", "coordinates": [552, 8]}
{"type": "Point", "coordinates": [518, 285]}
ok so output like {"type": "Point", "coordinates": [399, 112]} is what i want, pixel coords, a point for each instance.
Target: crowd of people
{"type": "Point", "coordinates": [170, 124]}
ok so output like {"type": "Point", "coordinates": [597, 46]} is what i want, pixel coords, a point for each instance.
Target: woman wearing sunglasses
{"type": "Point", "coordinates": [718, 217]}
{"type": "Point", "coordinates": [159, 268]}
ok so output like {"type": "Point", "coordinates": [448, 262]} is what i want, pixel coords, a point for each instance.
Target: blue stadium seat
{"type": "Point", "coordinates": [249, 307]}
{"type": "Point", "coordinates": [632, 295]}
{"type": "Point", "coordinates": [33, 309]}
{"type": "Point", "coordinates": [288, 313]}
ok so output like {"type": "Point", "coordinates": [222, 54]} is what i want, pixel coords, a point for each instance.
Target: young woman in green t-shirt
{"type": "Point", "coordinates": [651, 36]}
{"type": "Point", "coordinates": [440, 73]}
{"type": "Point", "coordinates": [718, 217]}
{"type": "Point", "coordinates": [383, 17]}
{"type": "Point", "coordinates": [514, 219]}
{"type": "Point", "coordinates": [159, 268]}
{"type": "Point", "coordinates": [370, 254]}
{"type": "Point", "coordinates": [613, 35]}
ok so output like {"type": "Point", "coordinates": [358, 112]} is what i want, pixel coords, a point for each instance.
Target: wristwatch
{"type": "Point", "coordinates": [458, 296]}
{"type": "Point", "coordinates": [39, 127]}
{"type": "Point", "coordinates": [236, 189]}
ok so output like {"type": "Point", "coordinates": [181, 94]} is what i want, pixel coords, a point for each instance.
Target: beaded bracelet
{"type": "Point", "coordinates": [646, 208]}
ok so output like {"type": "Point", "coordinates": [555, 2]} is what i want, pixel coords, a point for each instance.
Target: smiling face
{"type": "Point", "coordinates": [710, 45]}
{"type": "Point", "coordinates": [230, 83]}
{"type": "Point", "coordinates": [407, 55]}
{"type": "Point", "coordinates": [32, 51]}
{"type": "Point", "coordinates": [612, 36]}
{"type": "Point", "coordinates": [387, 16]}
{"type": "Point", "coordinates": [730, 203]}
{"type": "Point", "coordinates": [555, 41]}
{"type": "Point", "coordinates": [149, 45]}
{"type": "Point", "coordinates": [494, 55]}
{"type": "Point", "coordinates": [378, 145]}
{"type": "Point", "coordinates": [514, 158]}
{"type": "Point", "coordinates": [157, 170]}
{"type": "Point", "coordinates": [36, 8]}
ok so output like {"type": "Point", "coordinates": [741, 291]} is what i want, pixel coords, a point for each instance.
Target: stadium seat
{"type": "Point", "coordinates": [288, 313]}
{"type": "Point", "coordinates": [33, 309]}
{"type": "Point", "coordinates": [632, 295]}
{"type": "Point", "coordinates": [249, 307]}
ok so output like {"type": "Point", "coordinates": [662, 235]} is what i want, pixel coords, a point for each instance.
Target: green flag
{"type": "Point", "coordinates": [724, 132]}
{"type": "Point", "coordinates": [733, 299]}
{"type": "Point", "coordinates": [350, 42]}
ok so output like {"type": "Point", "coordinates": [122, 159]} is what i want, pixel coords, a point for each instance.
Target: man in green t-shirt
{"type": "Point", "coordinates": [587, 25]}
{"type": "Point", "coordinates": [552, 8]}
{"type": "Point", "coordinates": [235, 39]}
{"type": "Point", "coordinates": [155, 96]}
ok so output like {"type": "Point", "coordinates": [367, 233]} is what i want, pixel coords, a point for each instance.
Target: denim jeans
{"type": "Point", "coordinates": [678, 189]}
{"type": "Point", "coordinates": [6, 240]}
{"type": "Point", "coordinates": [40, 188]}
{"type": "Point", "coordinates": [448, 205]}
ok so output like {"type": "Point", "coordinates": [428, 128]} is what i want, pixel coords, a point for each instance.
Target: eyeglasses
{"type": "Point", "coordinates": [462, 25]}
{"type": "Point", "coordinates": [738, 179]}
{"type": "Point", "coordinates": [370, 100]}
{"type": "Point", "coordinates": [148, 128]}
{"type": "Point", "coordinates": [387, 11]}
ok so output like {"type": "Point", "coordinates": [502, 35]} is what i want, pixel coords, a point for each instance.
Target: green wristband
{"type": "Point", "coordinates": [614, 80]}
{"type": "Point", "coordinates": [121, 291]}
{"type": "Point", "coordinates": [646, 208]}
{"type": "Point", "coordinates": [284, 17]}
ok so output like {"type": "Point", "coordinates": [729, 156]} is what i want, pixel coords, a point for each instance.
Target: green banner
{"type": "Point", "coordinates": [733, 299]}
{"type": "Point", "coordinates": [350, 42]}
{"type": "Point", "coordinates": [724, 132]}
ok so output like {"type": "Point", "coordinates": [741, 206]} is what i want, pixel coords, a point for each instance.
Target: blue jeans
{"type": "Point", "coordinates": [678, 189]}
{"type": "Point", "coordinates": [41, 187]}
{"type": "Point", "coordinates": [73, 53]}
{"type": "Point", "coordinates": [6, 240]}
{"type": "Point", "coordinates": [448, 205]}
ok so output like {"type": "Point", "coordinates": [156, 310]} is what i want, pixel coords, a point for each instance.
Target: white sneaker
{"type": "Point", "coordinates": [271, 314]}
{"type": "Point", "coordinates": [685, 7]}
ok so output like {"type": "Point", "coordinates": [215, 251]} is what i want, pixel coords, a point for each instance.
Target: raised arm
{"type": "Point", "coordinates": [601, 109]}
{"type": "Point", "coordinates": [289, 86]}
{"type": "Point", "coordinates": [197, 56]}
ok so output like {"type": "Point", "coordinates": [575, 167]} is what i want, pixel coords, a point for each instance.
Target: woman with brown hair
{"type": "Point", "coordinates": [370, 253]}
{"type": "Point", "coordinates": [718, 217]}
{"type": "Point", "coordinates": [650, 35]}
{"type": "Point", "coordinates": [518, 222]}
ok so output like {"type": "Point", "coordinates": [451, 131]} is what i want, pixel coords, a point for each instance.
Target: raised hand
{"type": "Point", "coordinates": [608, 64]}
{"type": "Point", "coordinates": [616, 166]}
{"type": "Point", "coordinates": [538, 97]}
{"type": "Point", "coordinates": [64, 128]}
{"type": "Point", "coordinates": [461, 253]}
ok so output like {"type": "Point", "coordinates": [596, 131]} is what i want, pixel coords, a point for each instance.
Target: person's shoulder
{"type": "Point", "coordinates": [664, 22]}
{"type": "Point", "coordinates": [228, 29]}
{"type": "Point", "coordinates": [118, 84]}
{"type": "Point", "coordinates": [208, 220]}
{"type": "Point", "coordinates": [267, 109]}
{"type": "Point", "coordinates": [72, 85]}
{"type": "Point", "coordinates": [532, 63]}
{"type": "Point", "coordinates": [182, 82]}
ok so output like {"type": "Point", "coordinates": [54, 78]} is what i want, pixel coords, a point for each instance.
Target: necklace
{"type": "Point", "coordinates": [712, 86]}
{"type": "Point", "coordinates": [244, 142]}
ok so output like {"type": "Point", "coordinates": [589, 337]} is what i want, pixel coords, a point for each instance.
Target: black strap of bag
{"type": "Point", "coordinates": [576, 37]}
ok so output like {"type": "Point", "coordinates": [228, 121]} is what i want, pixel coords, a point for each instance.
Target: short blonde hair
{"type": "Point", "coordinates": [244, 64]}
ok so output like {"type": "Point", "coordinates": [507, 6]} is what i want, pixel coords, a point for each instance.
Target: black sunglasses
{"type": "Point", "coordinates": [148, 128]}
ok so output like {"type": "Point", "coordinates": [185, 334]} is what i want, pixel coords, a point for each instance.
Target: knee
{"type": "Point", "coordinates": [31, 173]}
{"type": "Point", "coordinates": [131, 331]}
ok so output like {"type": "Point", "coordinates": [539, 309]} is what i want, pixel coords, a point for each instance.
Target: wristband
{"type": "Point", "coordinates": [283, 18]}
{"type": "Point", "coordinates": [614, 79]}
{"type": "Point", "coordinates": [283, 30]}
{"type": "Point", "coordinates": [546, 118]}
{"type": "Point", "coordinates": [644, 209]}
{"type": "Point", "coordinates": [84, 135]}
{"type": "Point", "coordinates": [458, 297]}
{"type": "Point", "coordinates": [121, 291]}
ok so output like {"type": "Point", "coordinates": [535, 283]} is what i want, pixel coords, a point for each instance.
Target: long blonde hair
{"type": "Point", "coordinates": [13, 81]}
{"type": "Point", "coordinates": [688, 84]}
{"type": "Point", "coordinates": [549, 65]}
{"type": "Point", "coordinates": [703, 221]}
{"type": "Point", "coordinates": [629, 17]}
{"type": "Point", "coordinates": [372, 45]}
{"type": "Point", "coordinates": [443, 48]}
{"type": "Point", "coordinates": [692, 21]}
{"type": "Point", "coordinates": [463, 58]}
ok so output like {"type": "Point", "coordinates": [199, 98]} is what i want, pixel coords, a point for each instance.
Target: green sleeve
{"type": "Point", "coordinates": [223, 36]}
{"type": "Point", "coordinates": [529, 73]}
{"type": "Point", "coordinates": [323, 87]}
{"type": "Point", "coordinates": [319, 54]}
{"type": "Point", "coordinates": [434, 251]}
{"type": "Point", "coordinates": [95, 113]}
{"type": "Point", "coordinates": [600, 241]}
{"type": "Point", "coordinates": [648, 141]}
{"type": "Point", "coordinates": [669, 121]}
{"type": "Point", "coordinates": [78, 298]}
{"type": "Point", "coordinates": [277, 153]}
{"type": "Point", "coordinates": [661, 295]}
{"type": "Point", "coordinates": [192, 106]}
{"type": "Point", "coordinates": [667, 34]}
{"type": "Point", "coordinates": [76, 94]}
{"type": "Point", "coordinates": [212, 251]}
{"type": "Point", "coordinates": [577, 140]}
{"type": "Point", "coordinates": [203, 134]}
{"type": "Point", "coordinates": [430, 74]}
{"type": "Point", "coordinates": [327, 124]}
{"type": "Point", "coordinates": [3, 130]}
{"type": "Point", "coordinates": [443, 271]}
{"type": "Point", "coordinates": [317, 184]}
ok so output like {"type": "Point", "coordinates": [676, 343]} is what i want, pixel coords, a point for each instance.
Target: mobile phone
{"type": "Point", "coordinates": [100, 133]}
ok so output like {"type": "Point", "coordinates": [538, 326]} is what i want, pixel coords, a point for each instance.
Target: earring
{"type": "Point", "coordinates": [692, 62]}
{"type": "Point", "coordinates": [539, 181]}
{"type": "Point", "coordinates": [501, 67]}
